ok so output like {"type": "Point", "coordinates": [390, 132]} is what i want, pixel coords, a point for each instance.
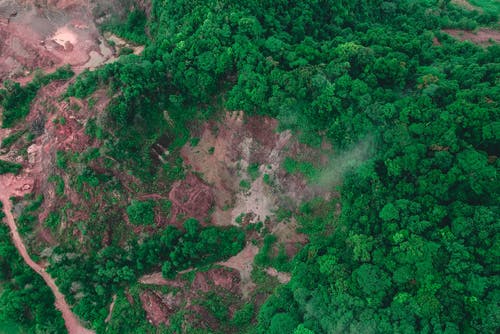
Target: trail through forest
{"type": "Point", "coordinates": [8, 188]}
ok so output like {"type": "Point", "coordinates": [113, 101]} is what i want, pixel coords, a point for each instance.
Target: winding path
{"type": "Point", "coordinates": [70, 320]}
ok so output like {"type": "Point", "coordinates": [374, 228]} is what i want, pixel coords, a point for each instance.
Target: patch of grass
{"type": "Point", "coordinates": [165, 206]}
{"type": "Point", "coordinates": [61, 160]}
{"type": "Point", "coordinates": [253, 171]}
{"type": "Point", "coordinates": [244, 184]}
{"type": "Point", "coordinates": [305, 168]}
{"type": "Point", "coordinates": [239, 219]}
{"type": "Point", "coordinates": [194, 142]}
{"type": "Point", "coordinates": [126, 51]}
{"type": "Point", "coordinates": [29, 137]}
{"type": "Point", "coordinates": [243, 316]}
{"type": "Point", "coordinates": [59, 184]}
{"type": "Point", "coordinates": [254, 227]}
{"type": "Point", "coordinates": [267, 179]}
{"type": "Point", "coordinates": [35, 204]}
{"type": "Point", "coordinates": [217, 306]}
{"type": "Point", "coordinates": [283, 214]}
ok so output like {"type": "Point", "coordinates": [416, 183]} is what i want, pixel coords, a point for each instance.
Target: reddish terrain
{"type": "Point", "coordinates": [225, 151]}
{"type": "Point", "coordinates": [47, 36]}
{"type": "Point", "coordinates": [483, 36]}
{"type": "Point", "coordinates": [190, 198]}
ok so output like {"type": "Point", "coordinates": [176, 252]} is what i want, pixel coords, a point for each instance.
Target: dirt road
{"type": "Point", "coordinates": [6, 190]}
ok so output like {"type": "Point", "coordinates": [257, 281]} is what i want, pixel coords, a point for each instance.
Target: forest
{"type": "Point", "coordinates": [415, 246]}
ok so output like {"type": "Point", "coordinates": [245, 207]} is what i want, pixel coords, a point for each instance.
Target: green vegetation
{"type": "Point", "coordinates": [243, 316]}
{"type": "Point", "coordinates": [411, 246]}
{"type": "Point", "coordinates": [8, 141]}
{"type": "Point", "coordinates": [98, 275]}
{"type": "Point", "coordinates": [253, 171]}
{"type": "Point", "coordinates": [9, 167]}
{"type": "Point", "coordinates": [264, 258]}
{"type": "Point", "coordinates": [61, 160]}
{"type": "Point", "coordinates": [26, 302]}
{"type": "Point", "coordinates": [16, 99]}
{"type": "Point", "coordinates": [141, 213]}
{"type": "Point", "coordinates": [305, 168]}
{"type": "Point", "coordinates": [245, 184]}
{"type": "Point", "coordinates": [59, 184]}
{"type": "Point", "coordinates": [491, 7]}
{"type": "Point", "coordinates": [52, 221]}
{"type": "Point", "coordinates": [132, 29]}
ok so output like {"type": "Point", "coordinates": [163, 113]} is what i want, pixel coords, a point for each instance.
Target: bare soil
{"type": "Point", "coordinates": [47, 36]}
{"type": "Point", "coordinates": [111, 307]}
{"type": "Point", "coordinates": [483, 36]}
{"type": "Point", "coordinates": [157, 279]}
{"type": "Point", "coordinates": [191, 198]}
{"type": "Point", "coordinates": [283, 278]}
{"type": "Point", "coordinates": [467, 5]}
{"type": "Point", "coordinates": [159, 307]}
{"type": "Point", "coordinates": [225, 151]}
{"type": "Point", "coordinates": [243, 263]}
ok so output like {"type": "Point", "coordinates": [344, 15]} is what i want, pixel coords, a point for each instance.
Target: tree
{"type": "Point", "coordinates": [141, 213]}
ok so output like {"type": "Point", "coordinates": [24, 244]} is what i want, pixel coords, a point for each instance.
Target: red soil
{"type": "Point", "coordinates": [219, 277]}
{"type": "Point", "coordinates": [159, 307]}
{"type": "Point", "coordinates": [225, 151]}
{"type": "Point", "coordinates": [483, 36]}
{"type": "Point", "coordinates": [191, 198]}
{"type": "Point", "coordinates": [48, 36]}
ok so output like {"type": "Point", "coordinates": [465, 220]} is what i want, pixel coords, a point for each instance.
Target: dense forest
{"type": "Point", "coordinates": [415, 246]}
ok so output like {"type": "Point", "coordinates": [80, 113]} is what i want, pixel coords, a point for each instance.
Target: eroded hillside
{"type": "Point", "coordinates": [190, 167]}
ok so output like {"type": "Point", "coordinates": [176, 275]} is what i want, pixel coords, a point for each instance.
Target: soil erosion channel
{"type": "Point", "coordinates": [72, 323]}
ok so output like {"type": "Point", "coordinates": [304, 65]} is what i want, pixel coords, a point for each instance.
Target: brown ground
{"type": "Point", "coordinates": [159, 307]}
{"type": "Point", "coordinates": [483, 36]}
{"type": "Point", "coordinates": [190, 198]}
{"type": "Point", "coordinates": [282, 277]}
{"type": "Point", "coordinates": [238, 141]}
{"type": "Point", "coordinates": [157, 279]}
{"type": "Point", "coordinates": [48, 36]}
{"type": "Point", "coordinates": [111, 307]}
{"type": "Point", "coordinates": [243, 263]}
